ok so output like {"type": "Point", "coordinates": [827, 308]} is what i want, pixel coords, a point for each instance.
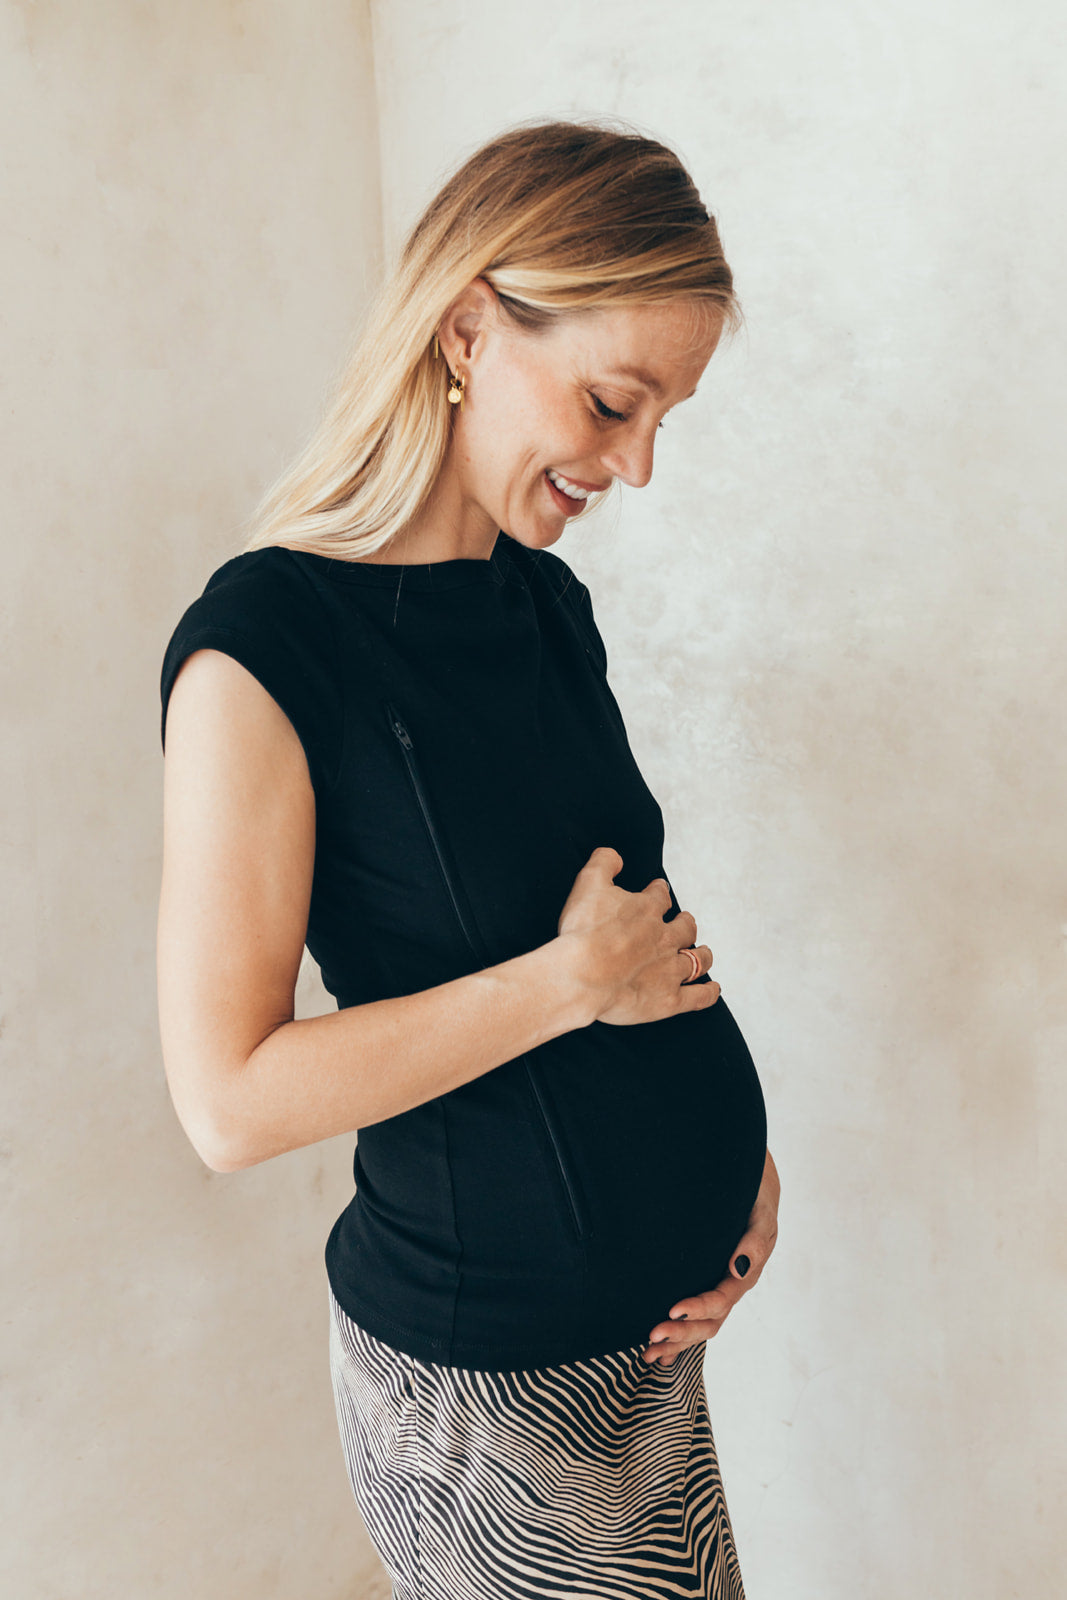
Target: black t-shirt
{"type": "Point", "coordinates": [467, 755]}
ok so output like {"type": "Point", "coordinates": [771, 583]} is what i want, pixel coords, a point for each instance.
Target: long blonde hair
{"type": "Point", "coordinates": [558, 217]}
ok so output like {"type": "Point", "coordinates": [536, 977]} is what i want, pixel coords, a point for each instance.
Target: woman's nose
{"type": "Point", "coordinates": [630, 459]}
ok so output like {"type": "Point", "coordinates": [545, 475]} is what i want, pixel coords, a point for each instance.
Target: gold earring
{"type": "Point", "coordinates": [436, 348]}
{"type": "Point", "coordinates": [455, 393]}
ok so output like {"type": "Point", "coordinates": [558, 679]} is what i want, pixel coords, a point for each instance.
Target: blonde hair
{"type": "Point", "coordinates": [559, 218]}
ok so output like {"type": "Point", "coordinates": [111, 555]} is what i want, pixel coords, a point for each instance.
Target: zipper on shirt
{"type": "Point", "coordinates": [406, 743]}
{"type": "Point", "coordinates": [421, 796]}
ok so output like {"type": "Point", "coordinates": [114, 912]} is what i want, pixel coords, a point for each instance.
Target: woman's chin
{"type": "Point", "coordinates": [536, 536]}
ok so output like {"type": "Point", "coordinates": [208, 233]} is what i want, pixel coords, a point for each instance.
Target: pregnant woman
{"type": "Point", "coordinates": [389, 733]}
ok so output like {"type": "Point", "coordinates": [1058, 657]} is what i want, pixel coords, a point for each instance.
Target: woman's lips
{"type": "Point", "coordinates": [565, 503]}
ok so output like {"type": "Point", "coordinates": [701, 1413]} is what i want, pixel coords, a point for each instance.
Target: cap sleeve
{"type": "Point", "coordinates": [261, 609]}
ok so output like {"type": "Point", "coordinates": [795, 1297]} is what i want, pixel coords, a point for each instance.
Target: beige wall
{"type": "Point", "coordinates": [834, 624]}
{"type": "Point", "coordinates": [194, 222]}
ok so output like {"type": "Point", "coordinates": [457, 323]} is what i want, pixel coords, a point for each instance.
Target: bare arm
{"type": "Point", "coordinates": [248, 1081]}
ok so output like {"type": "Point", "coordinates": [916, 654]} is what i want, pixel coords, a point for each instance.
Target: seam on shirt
{"type": "Point", "coordinates": [455, 1230]}
{"type": "Point", "coordinates": [594, 644]}
{"type": "Point", "coordinates": [320, 594]}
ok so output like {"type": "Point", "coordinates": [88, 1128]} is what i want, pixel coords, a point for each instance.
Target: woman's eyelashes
{"type": "Point", "coordinates": [607, 413]}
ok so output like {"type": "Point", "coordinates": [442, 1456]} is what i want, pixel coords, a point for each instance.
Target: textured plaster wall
{"type": "Point", "coordinates": [190, 200]}
{"type": "Point", "coordinates": [835, 624]}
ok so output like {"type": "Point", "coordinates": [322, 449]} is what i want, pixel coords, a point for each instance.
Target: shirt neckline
{"type": "Point", "coordinates": [423, 576]}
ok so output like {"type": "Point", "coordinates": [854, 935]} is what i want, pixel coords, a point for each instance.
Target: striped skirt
{"type": "Point", "coordinates": [595, 1479]}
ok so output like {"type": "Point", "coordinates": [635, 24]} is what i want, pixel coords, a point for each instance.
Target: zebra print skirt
{"type": "Point", "coordinates": [596, 1478]}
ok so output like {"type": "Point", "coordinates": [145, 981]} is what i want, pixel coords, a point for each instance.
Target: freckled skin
{"type": "Point", "coordinates": [531, 403]}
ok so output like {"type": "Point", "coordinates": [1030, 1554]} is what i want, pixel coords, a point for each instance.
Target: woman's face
{"type": "Point", "coordinates": [577, 405]}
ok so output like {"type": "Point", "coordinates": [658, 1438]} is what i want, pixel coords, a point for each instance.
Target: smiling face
{"type": "Point", "coordinates": [550, 416]}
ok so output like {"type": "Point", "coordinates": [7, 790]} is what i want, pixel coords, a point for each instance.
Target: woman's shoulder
{"type": "Point", "coordinates": [270, 575]}
{"type": "Point", "coordinates": [263, 607]}
{"type": "Point", "coordinates": [264, 594]}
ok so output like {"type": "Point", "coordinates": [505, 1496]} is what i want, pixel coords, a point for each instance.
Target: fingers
{"type": "Point", "coordinates": [753, 1249]}
{"type": "Point", "coordinates": [683, 929]}
{"type": "Point", "coordinates": [714, 1305]}
{"type": "Point", "coordinates": [704, 994]}
{"type": "Point", "coordinates": [672, 937]}
{"type": "Point", "coordinates": [700, 1317]}
{"type": "Point", "coordinates": [670, 1352]}
{"type": "Point", "coordinates": [604, 857]}
{"type": "Point", "coordinates": [692, 1321]}
{"type": "Point", "coordinates": [748, 1260]}
{"type": "Point", "coordinates": [704, 957]}
{"type": "Point", "coordinates": [668, 1339]}
{"type": "Point", "coordinates": [658, 891]}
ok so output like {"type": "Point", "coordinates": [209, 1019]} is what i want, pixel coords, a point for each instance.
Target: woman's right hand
{"type": "Point", "coordinates": [624, 951]}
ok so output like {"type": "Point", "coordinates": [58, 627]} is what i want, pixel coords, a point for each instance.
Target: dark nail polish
{"type": "Point", "coordinates": [742, 1264]}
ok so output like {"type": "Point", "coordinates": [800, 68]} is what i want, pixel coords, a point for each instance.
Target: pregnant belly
{"type": "Point", "coordinates": [661, 1132]}
{"type": "Point", "coordinates": [563, 1202]}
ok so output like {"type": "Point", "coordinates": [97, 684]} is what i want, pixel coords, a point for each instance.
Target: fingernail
{"type": "Point", "coordinates": [742, 1264]}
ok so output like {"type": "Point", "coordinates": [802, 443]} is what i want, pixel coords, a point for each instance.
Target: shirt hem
{"type": "Point", "coordinates": [511, 1357]}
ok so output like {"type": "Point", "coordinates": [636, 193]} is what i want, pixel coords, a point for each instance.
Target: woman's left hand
{"type": "Point", "coordinates": [705, 1313]}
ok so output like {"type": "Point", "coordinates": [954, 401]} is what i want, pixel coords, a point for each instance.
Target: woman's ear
{"type": "Point", "coordinates": [467, 324]}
